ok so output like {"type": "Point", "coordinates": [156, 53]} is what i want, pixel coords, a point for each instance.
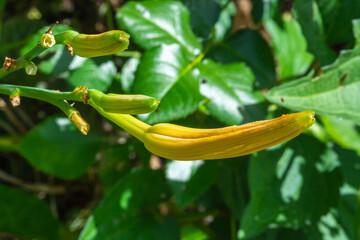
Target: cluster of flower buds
{"type": "Point", "coordinates": [169, 140]}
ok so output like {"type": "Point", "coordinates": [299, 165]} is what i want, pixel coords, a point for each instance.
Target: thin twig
{"type": "Point", "coordinates": [8, 128]}
{"type": "Point", "coordinates": [38, 187]}
{"type": "Point", "coordinates": [12, 117]}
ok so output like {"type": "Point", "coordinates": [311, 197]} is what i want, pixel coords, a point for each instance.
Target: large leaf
{"type": "Point", "coordinates": [249, 47]}
{"type": "Point", "coordinates": [342, 131]}
{"type": "Point", "coordinates": [232, 186]}
{"type": "Point", "coordinates": [202, 21]}
{"type": "Point", "coordinates": [125, 213]}
{"type": "Point", "coordinates": [128, 73]}
{"type": "Point", "coordinates": [308, 15]}
{"type": "Point", "coordinates": [188, 180]}
{"type": "Point", "coordinates": [152, 23]}
{"type": "Point", "coordinates": [291, 186]}
{"type": "Point", "coordinates": [230, 91]}
{"type": "Point", "coordinates": [337, 17]}
{"type": "Point", "coordinates": [14, 33]}
{"type": "Point", "coordinates": [290, 47]}
{"type": "Point", "coordinates": [25, 216]}
{"type": "Point", "coordinates": [57, 148]}
{"type": "Point", "coordinates": [333, 93]}
{"type": "Point", "coordinates": [97, 74]}
{"type": "Point", "coordinates": [160, 75]}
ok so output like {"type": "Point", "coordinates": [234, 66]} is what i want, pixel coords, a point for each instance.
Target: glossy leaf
{"type": "Point", "coordinates": [342, 131]}
{"type": "Point", "coordinates": [190, 232]}
{"type": "Point", "coordinates": [202, 21]}
{"type": "Point", "coordinates": [153, 23]}
{"type": "Point", "coordinates": [56, 147]}
{"type": "Point", "coordinates": [333, 93]}
{"type": "Point", "coordinates": [249, 47]}
{"type": "Point", "coordinates": [337, 17]}
{"type": "Point", "coordinates": [309, 17]}
{"type": "Point", "coordinates": [123, 213]}
{"type": "Point", "coordinates": [97, 74]}
{"type": "Point", "coordinates": [191, 181]}
{"type": "Point", "coordinates": [25, 216]}
{"type": "Point", "coordinates": [229, 88]}
{"type": "Point", "coordinates": [232, 187]}
{"type": "Point", "coordinates": [291, 186]}
{"type": "Point", "coordinates": [290, 47]}
{"type": "Point", "coordinates": [160, 75]}
{"type": "Point", "coordinates": [128, 74]}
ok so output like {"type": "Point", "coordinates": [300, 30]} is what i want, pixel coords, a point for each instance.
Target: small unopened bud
{"type": "Point", "coordinates": [95, 45]}
{"type": "Point", "coordinates": [31, 69]}
{"type": "Point", "coordinates": [79, 122]}
{"type": "Point", "coordinates": [124, 104]}
{"type": "Point", "coordinates": [47, 40]}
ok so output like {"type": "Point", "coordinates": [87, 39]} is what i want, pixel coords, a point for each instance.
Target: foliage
{"type": "Point", "coordinates": [208, 70]}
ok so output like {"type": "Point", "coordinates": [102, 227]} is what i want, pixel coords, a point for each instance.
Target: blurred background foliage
{"type": "Point", "coordinates": [212, 63]}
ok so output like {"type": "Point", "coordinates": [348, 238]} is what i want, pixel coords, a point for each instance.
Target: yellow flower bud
{"type": "Point", "coordinates": [183, 143]}
{"type": "Point", "coordinates": [47, 40]}
{"type": "Point", "coordinates": [79, 122]}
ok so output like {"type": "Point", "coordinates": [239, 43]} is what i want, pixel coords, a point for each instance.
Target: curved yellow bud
{"type": "Point", "coordinates": [47, 40]}
{"type": "Point", "coordinates": [182, 143]}
{"type": "Point", "coordinates": [125, 104]}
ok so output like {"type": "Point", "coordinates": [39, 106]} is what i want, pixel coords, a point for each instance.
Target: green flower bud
{"type": "Point", "coordinates": [124, 104]}
{"type": "Point", "coordinates": [95, 45]}
{"type": "Point", "coordinates": [47, 40]}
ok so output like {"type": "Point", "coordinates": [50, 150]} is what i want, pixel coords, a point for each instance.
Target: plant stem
{"type": "Point", "coordinates": [53, 97]}
{"type": "Point", "coordinates": [129, 123]}
{"type": "Point", "coordinates": [9, 144]}
{"type": "Point", "coordinates": [37, 187]}
{"type": "Point", "coordinates": [135, 54]}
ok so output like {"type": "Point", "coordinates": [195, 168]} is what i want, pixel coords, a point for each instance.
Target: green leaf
{"type": "Point", "coordinates": [126, 213]}
{"type": "Point", "coordinates": [128, 74]}
{"type": "Point", "coordinates": [58, 63]}
{"type": "Point", "coordinates": [188, 180]}
{"type": "Point", "coordinates": [97, 74]}
{"type": "Point", "coordinates": [115, 165]}
{"type": "Point", "coordinates": [229, 88]}
{"type": "Point", "coordinates": [309, 17]}
{"type": "Point", "coordinates": [334, 93]}
{"type": "Point", "coordinates": [190, 232]}
{"type": "Point", "coordinates": [153, 23]}
{"type": "Point", "coordinates": [25, 216]}
{"type": "Point", "coordinates": [223, 26]}
{"type": "Point", "coordinates": [290, 47]}
{"type": "Point", "coordinates": [249, 47]}
{"type": "Point", "coordinates": [291, 186]}
{"type": "Point", "coordinates": [337, 17]}
{"type": "Point", "coordinates": [343, 132]}
{"type": "Point", "coordinates": [202, 21]}
{"type": "Point", "coordinates": [232, 187]}
{"type": "Point", "coordinates": [160, 75]}
{"type": "Point", "coordinates": [56, 147]}
{"type": "Point", "coordinates": [16, 32]}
